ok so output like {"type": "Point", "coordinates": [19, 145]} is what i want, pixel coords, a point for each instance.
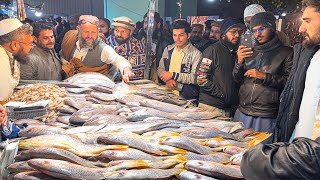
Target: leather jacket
{"type": "Point", "coordinates": [298, 160]}
{"type": "Point", "coordinates": [259, 97]}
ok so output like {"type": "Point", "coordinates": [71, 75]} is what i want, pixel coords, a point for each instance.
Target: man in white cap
{"type": "Point", "coordinates": [86, 52]}
{"type": "Point", "coordinates": [15, 43]}
{"type": "Point", "coordinates": [254, 9]}
{"type": "Point", "coordinates": [127, 46]}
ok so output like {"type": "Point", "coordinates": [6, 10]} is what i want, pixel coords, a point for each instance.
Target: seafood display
{"type": "Point", "coordinates": [105, 130]}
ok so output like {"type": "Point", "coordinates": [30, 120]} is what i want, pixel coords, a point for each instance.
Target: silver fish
{"type": "Point", "coordinates": [204, 133]}
{"type": "Point", "coordinates": [106, 119]}
{"type": "Point", "coordinates": [142, 114]}
{"type": "Point", "coordinates": [33, 175]}
{"type": "Point", "coordinates": [162, 106]}
{"type": "Point", "coordinates": [128, 154]}
{"type": "Point", "coordinates": [200, 115]}
{"type": "Point", "coordinates": [79, 90]}
{"type": "Point", "coordinates": [188, 175]}
{"type": "Point", "coordinates": [40, 130]}
{"type": "Point", "coordinates": [218, 157]}
{"type": "Point", "coordinates": [214, 169]}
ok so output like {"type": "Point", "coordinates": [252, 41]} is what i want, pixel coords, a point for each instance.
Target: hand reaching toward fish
{"type": "Point", "coordinates": [171, 83]}
{"type": "Point", "coordinates": [127, 74]}
{"type": "Point", "coordinates": [166, 76]}
{"type": "Point", "coordinates": [3, 116]}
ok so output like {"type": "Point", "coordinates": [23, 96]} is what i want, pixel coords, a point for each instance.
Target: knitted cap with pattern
{"type": "Point", "coordinates": [252, 10]}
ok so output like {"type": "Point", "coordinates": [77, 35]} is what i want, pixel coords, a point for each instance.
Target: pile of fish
{"type": "Point", "coordinates": [115, 131]}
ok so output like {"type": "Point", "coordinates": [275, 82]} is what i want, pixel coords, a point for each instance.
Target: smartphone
{"type": "Point", "coordinates": [247, 40]}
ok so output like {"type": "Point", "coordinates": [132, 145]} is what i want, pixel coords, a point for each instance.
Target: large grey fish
{"type": "Point", "coordinates": [244, 133]}
{"type": "Point", "coordinates": [66, 142]}
{"type": "Point", "coordinates": [182, 123]}
{"type": "Point", "coordinates": [106, 119]}
{"type": "Point", "coordinates": [19, 167]}
{"type": "Point", "coordinates": [200, 115]}
{"type": "Point", "coordinates": [64, 119]}
{"type": "Point", "coordinates": [40, 130]}
{"type": "Point", "coordinates": [104, 96]}
{"type": "Point", "coordinates": [79, 90]}
{"type": "Point", "coordinates": [98, 101]}
{"type": "Point", "coordinates": [142, 114]}
{"type": "Point", "coordinates": [205, 133]}
{"type": "Point", "coordinates": [189, 175]}
{"type": "Point", "coordinates": [132, 140]}
{"type": "Point", "coordinates": [141, 81]}
{"type": "Point", "coordinates": [220, 124]}
{"type": "Point", "coordinates": [128, 154]}
{"type": "Point", "coordinates": [162, 106]}
{"type": "Point", "coordinates": [58, 154]}
{"type": "Point", "coordinates": [67, 109]}
{"type": "Point", "coordinates": [88, 76]}
{"type": "Point", "coordinates": [65, 170]}
{"type": "Point", "coordinates": [33, 175]}
{"type": "Point", "coordinates": [77, 103]}
{"type": "Point", "coordinates": [83, 115]}
{"type": "Point", "coordinates": [218, 157]}
{"type": "Point", "coordinates": [142, 174]}
{"type": "Point", "coordinates": [187, 144]}
{"type": "Point", "coordinates": [214, 169]}
{"type": "Point", "coordinates": [130, 100]}
{"type": "Point", "coordinates": [103, 88]}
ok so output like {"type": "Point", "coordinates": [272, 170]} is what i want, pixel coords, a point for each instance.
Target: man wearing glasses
{"type": "Point", "coordinates": [214, 74]}
{"type": "Point", "coordinates": [84, 51]}
{"type": "Point", "coordinates": [15, 43]}
{"type": "Point", "coordinates": [262, 71]}
{"type": "Point", "coordinates": [42, 63]}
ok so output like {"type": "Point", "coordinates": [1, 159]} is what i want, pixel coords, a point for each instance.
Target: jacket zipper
{"type": "Point", "coordinates": [254, 84]}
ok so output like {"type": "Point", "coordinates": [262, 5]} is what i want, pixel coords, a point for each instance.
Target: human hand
{"type": "Point", "coordinates": [243, 52]}
{"type": "Point", "coordinates": [255, 74]}
{"type": "Point", "coordinates": [3, 116]}
{"type": "Point", "coordinates": [127, 74]}
{"type": "Point", "coordinates": [166, 76]}
{"type": "Point", "coordinates": [171, 83]}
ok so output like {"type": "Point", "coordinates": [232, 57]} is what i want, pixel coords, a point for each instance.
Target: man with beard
{"type": "Point", "coordinates": [197, 39]}
{"type": "Point", "coordinates": [42, 63]}
{"type": "Point", "coordinates": [219, 92]}
{"type": "Point", "coordinates": [160, 40]}
{"type": "Point", "coordinates": [301, 94]}
{"type": "Point", "coordinates": [15, 43]}
{"type": "Point", "coordinates": [127, 46]}
{"type": "Point", "coordinates": [84, 51]}
{"type": "Point", "coordinates": [262, 73]}
{"type": "Point", "coordinates": [215, 31]}
{"type": "Point", "coordinates": [299, 159]}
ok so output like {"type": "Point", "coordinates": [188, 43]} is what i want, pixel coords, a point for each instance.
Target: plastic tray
{"type": "Point", "coordinates": [29, 114]}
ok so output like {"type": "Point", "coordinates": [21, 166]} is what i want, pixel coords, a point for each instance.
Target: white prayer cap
{"type": "Point", "coordinates": [9, 25]}
{"type": "Point", "coordinates": [252, 10]}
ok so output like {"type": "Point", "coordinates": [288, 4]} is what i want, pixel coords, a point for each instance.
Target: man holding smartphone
{"type": "Point", "coordinates": [262, 72]}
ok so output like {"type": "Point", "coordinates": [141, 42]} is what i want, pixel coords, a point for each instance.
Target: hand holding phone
{"type": "Point", "coordinates": [247, 40]}
{"type": "Point", "coordinates": [243, 52]}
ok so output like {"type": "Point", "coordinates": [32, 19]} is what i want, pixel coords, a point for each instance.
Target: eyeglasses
{"type": "Point", "coordinates": [260, 30]}
{"type": "Point", "coordinates": [234, 32]}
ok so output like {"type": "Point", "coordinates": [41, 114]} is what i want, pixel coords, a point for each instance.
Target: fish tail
{"type": "Point", "coordinates": [217, 139]}
{"type": "Point", "coordinates": [141, 163]}
{"type": "Point", "coordinates": [261, 136]}
{"type": "Point", "coordinates": [178, 151]}
{"type": "Point", "coordinates": [163, 139]}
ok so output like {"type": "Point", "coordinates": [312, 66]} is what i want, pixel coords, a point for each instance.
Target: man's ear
{"type": "Point", "coordinates": [35, 39]}
{"type": "Point", "coordinates": [78, 28]}
{"type": "Point", "coordinates": [159, 25]}
{"type": "Point", "coordinates": [14, 45]}
{"type": "Point", "coordinates": [189, 35]}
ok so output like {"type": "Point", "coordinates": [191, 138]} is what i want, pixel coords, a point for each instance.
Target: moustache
{"type": "Point", "coordinates": [304, 35]}
{"type": "Point", "coordinates": [119, 37]}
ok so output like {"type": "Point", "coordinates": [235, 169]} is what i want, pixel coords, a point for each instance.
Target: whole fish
{"type": "Point", "coordinates": [19, 167]}
{"type": "Point", "coordinates": [244, 133]}
{"type": "Point", "coordinates": [128, 154]}
{"type": "Point", "coordinates": [219, 142]}
{"type": "Point", "coordinates": [40, 130]}
{"type": "Point", "coordinates": [165, 148]}
{"type": "Point", "coordinates": [103, 88]}
{"type": "Point", "coordinates": [83, 115]}
{"type": "Point", "coordinates": [65, 170]}
{"type": "Point", "coordinates": [205, 133]}
{"type": "Point", "coordinates": [28, 122]}
{"type": "Point", "coordinates": [142, 174]}
{"type": "Point", "coordinates": [88, 137]}
{"type": "Point", "coordinates": [162, 106]}
{"type": "Point", "coordinates": [104, 96]}
{"type": "Point", "coordinates": [84, 129]}
{"type": "Point", "coordinates": [141, 81]}
{"type": "Point", "coordinates": [77, 103]}
{"type": "Point", "coordinates": [64, 119]}
{"type": "Point", "coordinates": [58, 154]}
{"type": "Point", "coordinates": [67, 109]}
{"type": "Point", "coordinates": [106, 119]}
{"type": "Point", "coordinates": [33, 175]}
{"type": "Point", "coordinates": [200, 115]}
{"type": "Point", "coordinates": [214, 169]}
{"type": "Point", "coordinates": [127, 164]}
{"type": "Point", "coordinates": [66, 142]}
{"type": "Point", "coordinates": [188, 175]}
{"type": "Point", "coordinates": [219, 124]}
{"type": "Point", "coordinates": [132, 140]}
{"type": "Point", "coordinates": [79, 90]}
{"type": "Point", "coordinates": [218, 157]}
{"type": "Point", "coordinates": [98, 101]}
{"type": "Point", "coordinates": [234, 150]}
{"type": "Point", "coordinates": [159, 134]}
{"type": "Point", "coordinates": [130, 100]}
{"type": "Point", "coordinates": [142, 114]}
{"type": "Point", "coordinates": [88, 76]}
{"type": "Point", "coordinates": [182, 123]}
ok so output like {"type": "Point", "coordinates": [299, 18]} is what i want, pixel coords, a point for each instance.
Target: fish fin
{"type": "Point", "coordinates": [117, 147]}
{"type": "Point", "coordinates": [141, 163]}
{"type": "Point", "coordinates": [226, 162]}
{"type": "Point", "coordinates": [203, 143]}
{"type": "Point", "coordinates": [217, 139]}
{"type": "Point", "coordinates": [178, 158]}
{"type": "Point", "coordinates": [162, 139]}
{"type": "Point", "coordinates": [178, 151]}
{"type": "Point", "coordinates": [259, 138]}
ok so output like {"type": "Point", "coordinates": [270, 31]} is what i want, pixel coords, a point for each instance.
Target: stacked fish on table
{"type": "Point", "coordinates": [137, 131]}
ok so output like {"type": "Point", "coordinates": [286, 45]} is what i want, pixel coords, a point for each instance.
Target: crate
{"type": "Point", "coordinates": [28, 114]}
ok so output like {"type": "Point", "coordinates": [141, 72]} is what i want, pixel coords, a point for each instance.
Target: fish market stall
{"type": "Point", "coordinates": [96, 129]}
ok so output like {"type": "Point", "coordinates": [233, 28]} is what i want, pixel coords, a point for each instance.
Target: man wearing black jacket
{"type": "Point", "coordinates": [262, 73]}
{"type": "Point", "coordinates": [214, 73]}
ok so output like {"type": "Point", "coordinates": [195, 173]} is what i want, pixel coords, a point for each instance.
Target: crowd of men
{"type": "Point", "coordinates": [266, 84]}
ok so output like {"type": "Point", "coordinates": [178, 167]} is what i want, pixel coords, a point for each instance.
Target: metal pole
{"type": "Point", "coordinates": [105, 9]}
